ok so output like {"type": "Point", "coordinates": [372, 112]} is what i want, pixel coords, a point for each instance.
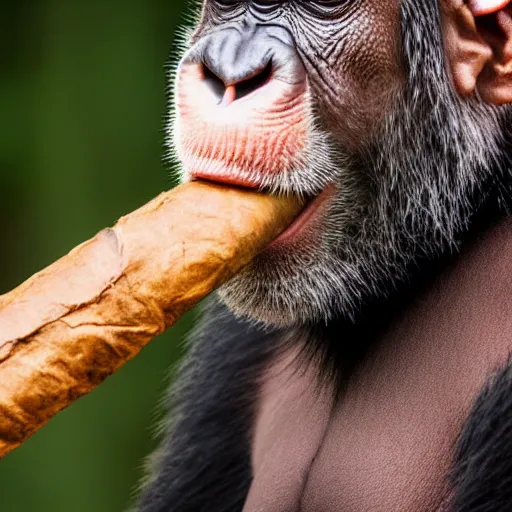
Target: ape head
{"type": "Point", "coordinates": [385, 115]}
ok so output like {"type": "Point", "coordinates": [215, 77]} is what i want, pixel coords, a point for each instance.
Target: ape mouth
{"type": "Point", "coordinates": [227, 178]}
{"type": "Point", "coordinates": [309, 219]}
{"type": "Point", "coordinates": [309, 215]}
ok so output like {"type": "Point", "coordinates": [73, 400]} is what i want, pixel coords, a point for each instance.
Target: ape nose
{"type": "Point", "coordinates": [238, 61]}
{"type": "Point", "coordinates": [262, 135]}
{"type": "Point", "coordinates": [227, 89]}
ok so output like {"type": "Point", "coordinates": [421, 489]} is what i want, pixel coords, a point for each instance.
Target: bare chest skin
{"type": "Point", "coordinates": [388, 444]}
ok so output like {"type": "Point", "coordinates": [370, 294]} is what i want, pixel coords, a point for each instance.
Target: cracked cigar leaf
{"type": "Point", "coordinates": [73, 324]}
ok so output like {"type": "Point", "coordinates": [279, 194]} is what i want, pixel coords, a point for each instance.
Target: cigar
{"type": "Point", "coordinates": [67, 328]}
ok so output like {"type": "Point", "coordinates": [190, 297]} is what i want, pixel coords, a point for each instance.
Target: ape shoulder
{"type": "Point", "coordinates": [204, 456]}
{"type": "Point", "coordinates": [482, 473]}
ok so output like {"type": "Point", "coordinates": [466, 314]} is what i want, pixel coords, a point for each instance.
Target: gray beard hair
{"type": "Point", "coordinates": [409, 195]}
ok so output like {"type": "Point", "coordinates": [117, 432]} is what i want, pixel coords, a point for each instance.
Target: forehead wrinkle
{"type": "Point", "coordinates": [265, 17]}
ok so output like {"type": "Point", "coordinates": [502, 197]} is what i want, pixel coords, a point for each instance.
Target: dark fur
{"type": "Point", "coordinates": [204, 463]}
{"type": "Point", "coordinates": [482, 474]}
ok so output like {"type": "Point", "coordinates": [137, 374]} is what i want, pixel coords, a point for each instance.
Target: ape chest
{"type": "Point", "coordinates": [389, 444]}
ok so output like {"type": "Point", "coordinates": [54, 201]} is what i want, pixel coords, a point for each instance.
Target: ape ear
{"type": "Point", "coordinates": [483, 7]}
{"type": "Point", "coordinates": [478, 41]}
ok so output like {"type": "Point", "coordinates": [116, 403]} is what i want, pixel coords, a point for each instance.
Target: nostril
{"type": "Point", "coordinates": [246, 87]}
{"type": "Point", "coordinates": [242, 88]}
{"type": "Point", "coordinates": [214, 83]}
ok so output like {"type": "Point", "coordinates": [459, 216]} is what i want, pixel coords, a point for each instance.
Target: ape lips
{"type": "Point", "coordinates": [69, 327]}
{"type": "Point", "coordinates": [243, 142]}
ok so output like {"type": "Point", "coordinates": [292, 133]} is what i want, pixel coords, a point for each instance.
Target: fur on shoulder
{"type": "Point", "coordinates": [204, 457]}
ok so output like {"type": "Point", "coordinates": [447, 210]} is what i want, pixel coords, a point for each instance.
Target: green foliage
{"type": "Point", "coordinates": [82, 103]}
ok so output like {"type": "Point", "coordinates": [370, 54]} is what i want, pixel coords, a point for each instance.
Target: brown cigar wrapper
{"type": "Point", "coordinates": [70, 326]}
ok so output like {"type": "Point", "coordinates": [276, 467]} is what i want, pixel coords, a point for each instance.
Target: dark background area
{"type": "Point", "coordinates": [82, 105]}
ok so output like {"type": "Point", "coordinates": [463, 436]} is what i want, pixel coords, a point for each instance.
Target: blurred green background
{"type": "Point", "coordinates": [82, 103]}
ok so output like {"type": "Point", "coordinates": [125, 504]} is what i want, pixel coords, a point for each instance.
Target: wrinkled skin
{"type": "Point", "coordinates": [405, 174]}
{"type": "Point", "coordinates": [349, 49]}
